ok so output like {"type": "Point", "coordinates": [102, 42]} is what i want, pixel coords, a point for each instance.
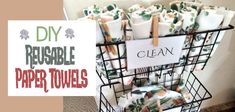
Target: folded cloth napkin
{"type": "Point", "coordinates": [153, 80]}
{"type": "Point", "coordinates": [172, 99]}
{"type": "Point", "coordinates": [147, 98]}
{"type": "Point", "coordinates": [137, 93]}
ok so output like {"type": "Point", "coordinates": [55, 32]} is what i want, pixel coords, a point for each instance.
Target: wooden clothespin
{"type": "Point", "coordinates": [155, 30]}
{"type": "Point", "coordinates": [124, 29]}
{"type": "Point", "coordinates": [108, 38]}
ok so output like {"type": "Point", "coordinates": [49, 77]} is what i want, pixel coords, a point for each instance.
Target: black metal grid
{"type": "Point", "coordinates": [169, 66]}
{"type": "Point", "coordinates": [192, 84]}
{"type": "Point", "coordinates": [198, 98]}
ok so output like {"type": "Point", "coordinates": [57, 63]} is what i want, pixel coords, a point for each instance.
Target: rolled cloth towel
{"type": "Point", "coordinates": [111, 16]}
{"type": "Point", "coordinates": [170, 22]}
{"type": "Point", "coordinates": [211, 38]}
{"type": "Point", "coordinates": [140, 21]}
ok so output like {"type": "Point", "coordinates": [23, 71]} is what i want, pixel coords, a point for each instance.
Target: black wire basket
{"type": "Point", "coordinates": [193, 85]}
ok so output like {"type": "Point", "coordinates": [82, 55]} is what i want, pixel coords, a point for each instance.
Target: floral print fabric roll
{"type": "Point", "coordinates": [210, 17]}
{"type": "Point", "coordinates": [207, 19]}
{"type": "Point", "coordinates": [170, 22]}
{"type": "Point", "coordinates": [111, 15]}
{"type": "Point", "coordinates": [92, 11]}
{"type": "Point", "coordinates": [227, 17]}
{"type": "Point", "coordinates": [116, 32]}
{"type": "Point", "coordinates": [140, 21]}
{"type": "Point", "coordinates": [155, 9]}
{"type": "Point", "coordinates": [189, 13]}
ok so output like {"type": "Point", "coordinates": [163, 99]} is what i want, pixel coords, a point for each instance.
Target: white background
{"type": "Point", "coordinates": [84, 52]}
